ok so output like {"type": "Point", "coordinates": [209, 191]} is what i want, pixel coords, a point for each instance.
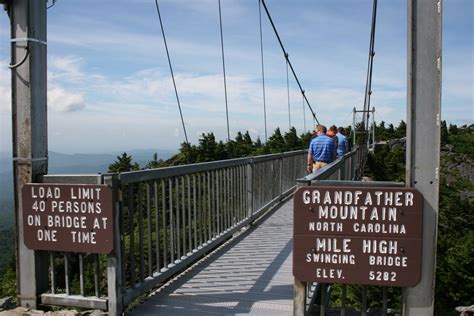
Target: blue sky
{"type": "Point", "coordinates": [109, 87]}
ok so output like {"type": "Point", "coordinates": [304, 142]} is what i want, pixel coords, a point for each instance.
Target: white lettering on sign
{"type": "Point", "coordinates": [83, 237]}
{"type": "Point", "coordinates": [61, 221]}
{"type": "Point", "coordinates": [325, 226]}
{"type": "Point", "coordinates": [45, 193]}
{"type": "Point", "coordinates": [377, 198]}
{"type": "Point", "coordinates": [85, 193]}
{"type": "Point", "coordinates": [382, 276]}
{"type": "Point", "coordinates": [76, 207]}
{"type": "Point", "coordinates": [97, 223]}
{"type": "Point", "coordinates": [374, 232]}
{"type": "Point", "coordinates": [330, 258]}
{"type": "Point", "coordinates": [68, 217]}
{"type": "Point", "coordinates": [46, 235]}
{"type": "Point", "coordinates": [329, 273]}
{"type": "Point", "coordinates": [379, 228]}
{"type": "Point", "coordinates": [380, 246]}
{"type": "Point", "coordinates": [33, 220]}
{"type": "Point", "coordinates": [331, 245]}
{"type": "Point", "coordinates": [389, 261]}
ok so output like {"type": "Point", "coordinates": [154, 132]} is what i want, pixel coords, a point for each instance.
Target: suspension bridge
{"type": "Point", "coordinates": [216, 237]}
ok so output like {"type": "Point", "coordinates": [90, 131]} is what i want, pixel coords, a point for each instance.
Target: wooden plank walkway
{"type": "Point", "coordinates": [250, 275]}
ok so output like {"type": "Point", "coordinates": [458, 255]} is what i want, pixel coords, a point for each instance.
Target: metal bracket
{"type": "Point", "coordinates": [21, 159]}
{"type": "Point", "coordinates": [28, 39]}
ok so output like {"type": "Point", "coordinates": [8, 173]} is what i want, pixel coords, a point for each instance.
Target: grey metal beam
{"type": "Point", "coordinates": [29, 122]}
{"type": "Point", "coordinates": [423, 138]}
{"type": "Point", "coordinates": [89, 302]}
{"type": "Point", "coordinates": [114, 259]}
{"type": "Point", "coordinates": [73, 178]}
{"type": "Point", "coordinates": [153, 174]}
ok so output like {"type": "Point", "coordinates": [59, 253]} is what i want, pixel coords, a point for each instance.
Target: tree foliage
{"type": "Point", "coordinates": [209, 149]}
{"type": "Point", "coordinates": [123, 163]}
{"type": "Point", "coordinates": [455, 249]}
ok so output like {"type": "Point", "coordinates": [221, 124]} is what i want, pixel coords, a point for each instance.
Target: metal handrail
{"type": "Point", "coordinates": [152, 174]}
{"type": "Point", "coordinates": [189, 210]}
{"type": "Point", "coordinates": [211, 201]}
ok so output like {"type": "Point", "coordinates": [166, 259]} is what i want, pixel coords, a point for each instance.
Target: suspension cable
{"type": "Point", "coordinates": [288, 93]}
{"type": "Point", "coordinates": [370, 63]}
{"type": "Point", "coordinates": [263, 69]}
{"type": "Point", "coordinates": [223, 70]}
{"type": "Point", "coordinates": [304, 114]}
{"type": "Point", "coordinates": [287, 58]}
{"type": "Point", "coordinates": [171, 70]}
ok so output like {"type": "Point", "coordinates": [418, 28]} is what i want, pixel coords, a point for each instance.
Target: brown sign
{"type": "Point", "coordinates": [66, 217]}
{"type": "Point", "coordinates": [358, 235]}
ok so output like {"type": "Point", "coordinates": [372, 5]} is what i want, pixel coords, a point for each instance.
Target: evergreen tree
{"type": "Point", "coordinates": [444, 133]}
{"type": "Point", "coordinates": [260, 148]}
{"type": "Point", "coordinates": [123, 163]}
{"type": "Point", "coordinates": [380, 131]}
{"type": "Point", "coordinates": [155, 163]}
{"type": "Point", "coordinates": [242, 147]}
{"type": "Point", "coordinates": [401, 130]}
{"type": "Point", "coordinates": [292, 142]}
{"type": "Point", "coordinates": [453, 129]}
{"type": "Point", "coordinates": [276, 143]}
{"type": "Point", "coordinates": [221, 151]}
{"type": "Point", "coordinates": [305, 139]}
{"type": "Point", "coordinates": [390, 132]}
{"type": "Point", "coordinates": [207, 149]}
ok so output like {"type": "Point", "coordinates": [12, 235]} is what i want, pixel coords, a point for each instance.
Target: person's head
{"type": "Point", "coordinates": [321, 129]}
{"type": "Point", "coordinates": [340, 130]}
{"type": "Point", "coordinates": [348, 131]}
{"type": "Point", "coordinates": [333, 128]}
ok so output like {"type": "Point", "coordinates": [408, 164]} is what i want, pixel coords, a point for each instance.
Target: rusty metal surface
{"type": "Point", "coordinates": [73, 218]}
{"type": "Point", "coordinates": [358, 235]}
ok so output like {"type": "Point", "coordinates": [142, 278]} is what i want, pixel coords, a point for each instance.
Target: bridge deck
{"type": "Point", "coordinates": [249, 275]}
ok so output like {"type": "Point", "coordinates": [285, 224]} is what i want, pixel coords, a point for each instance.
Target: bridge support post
{"type": "Point", "coordinates": [423, 138]}
{"type": "Point", "coordinates": [30, 140]}
{"type": "Point", "coordinates": [250, 191]}
{"type": "Point", "coordinates": [114, 259]}
{"type": "Point", "coordinates": [299, 289]}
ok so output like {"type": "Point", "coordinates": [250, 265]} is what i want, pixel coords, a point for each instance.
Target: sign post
{"type": "Point", "coordinates": [30, 141]}
{"type": "Point", "coordinates": [424, 72]}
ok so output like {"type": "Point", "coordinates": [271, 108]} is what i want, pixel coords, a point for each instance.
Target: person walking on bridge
{"type": "Point", "coordinates": [321, 151]}
{"type": "Point", "coordinates": [341, 143]}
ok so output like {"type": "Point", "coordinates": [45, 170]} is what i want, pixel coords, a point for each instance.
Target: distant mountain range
{"type": "Point", "coordinates": [71, 164]}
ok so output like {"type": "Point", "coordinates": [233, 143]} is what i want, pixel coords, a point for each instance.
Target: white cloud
{"type": "Point", "coordinates": [65, 70]}
{"type": "Point", "coordinates": [61, 100]}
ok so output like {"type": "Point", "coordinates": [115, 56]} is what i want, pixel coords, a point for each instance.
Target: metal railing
{"type": "Point", "coordinates": [344, 170]}
{"type": "Point", "coordinates": [318, 296]}
{"type": "Point", "coordinates": [165, 220]}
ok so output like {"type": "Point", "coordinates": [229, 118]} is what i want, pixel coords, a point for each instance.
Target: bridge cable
{"type": "Point", "coordinates": [368, 84]}
{"type": "Point", "coordinates": [304, 114]}
{"type": "Point", "coordinates": [263, 69]}
{"type": "Point", "coordinates": [287, 58]}
{"type": "Point", "coordinates": [171, 70]}
{"type": "Point", "coordinates": [288, 93]}
{"type": "Point", "coordinates": [223, 70]}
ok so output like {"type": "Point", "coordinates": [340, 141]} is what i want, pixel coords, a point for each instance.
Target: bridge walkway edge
{"type": "Point", "coordinates": [249, 274]}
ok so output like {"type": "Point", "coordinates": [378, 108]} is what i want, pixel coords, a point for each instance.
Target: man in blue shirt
{"type": "Point", "coordinates": [321, 151]}
{"type": "Point", "coordinates": [341, 143]}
